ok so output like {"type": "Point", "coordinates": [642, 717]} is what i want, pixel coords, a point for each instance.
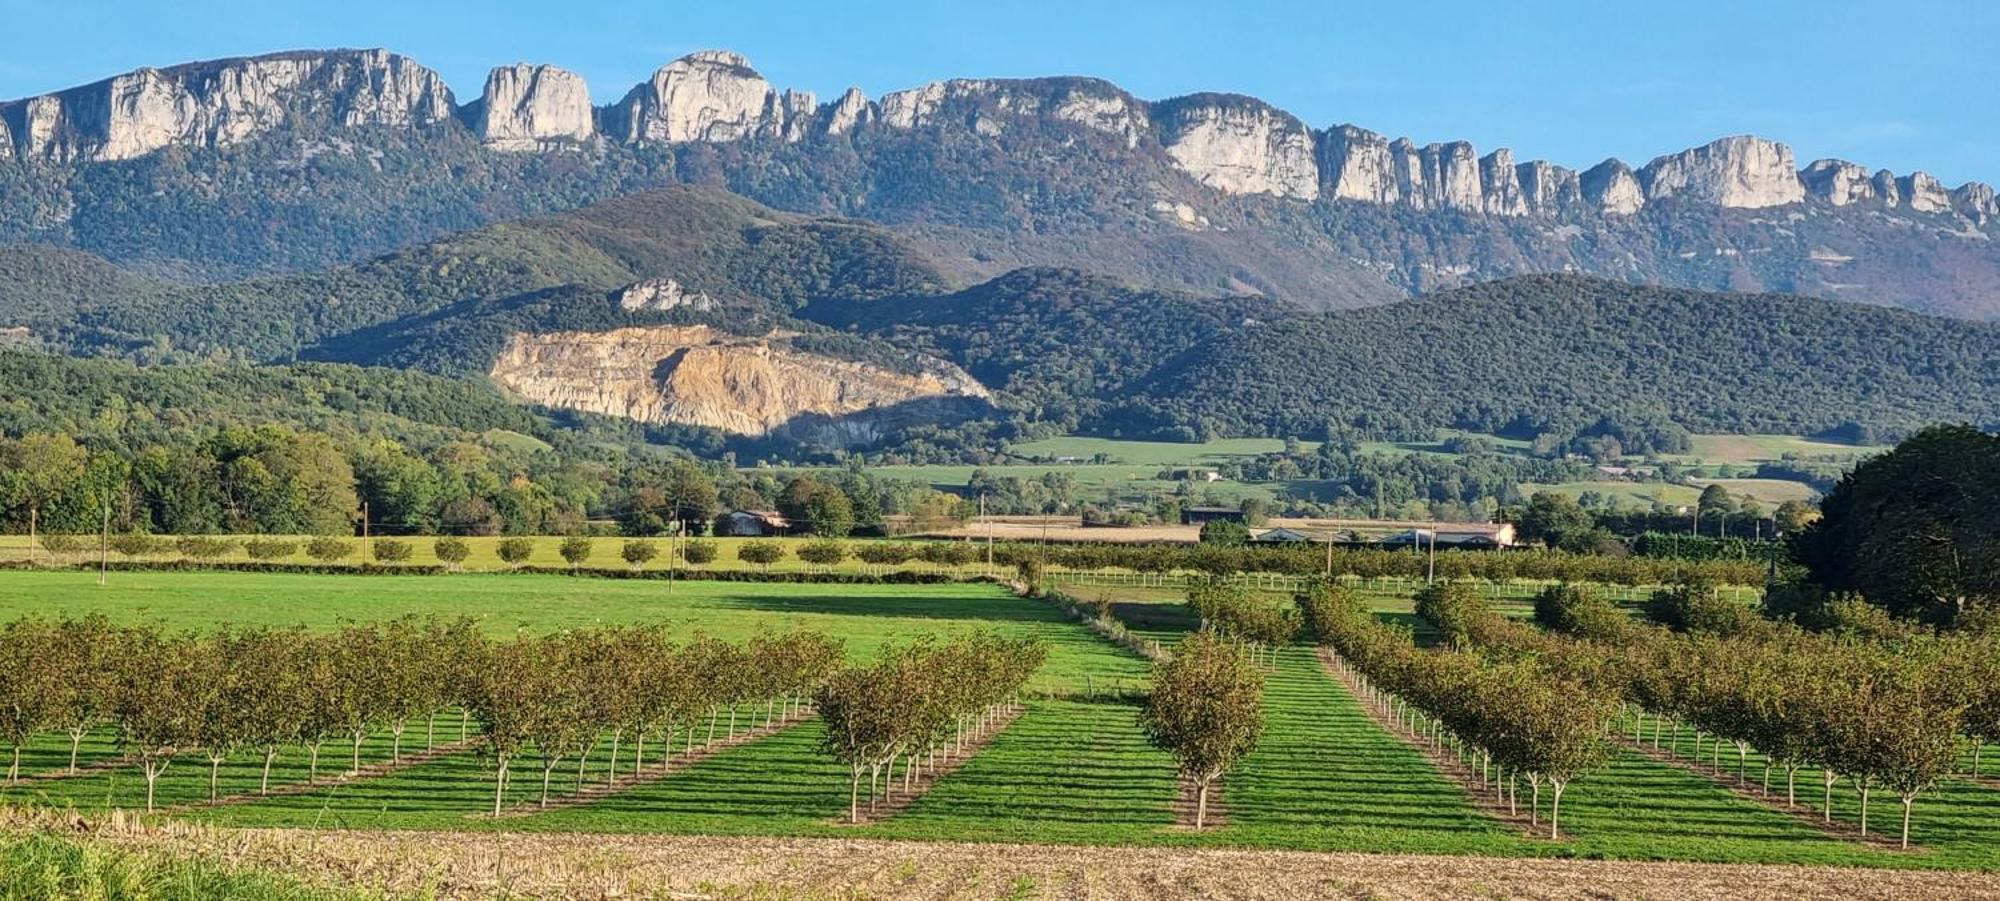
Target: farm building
{"type": "Point", "coordinates": [752, 523]}
{"type": "Point", "coordinates": [1471, 538]}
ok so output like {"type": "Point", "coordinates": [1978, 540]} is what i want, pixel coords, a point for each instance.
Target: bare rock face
{"type": "Point", "coordinates": [1837, 182]}
{"type": "Point", "coordinates": [1923, 193]}
{"type": "Point", "coordinates": [850, 112]}
{"type": "Point", "coordinates": [712, 96]}
{"type": "Point", "coordinates": [985, 103]}
{"type": "Point", "coordinates": [1976, 202]}
{"type": "Point", "coordinates": [1741, 171]}
{"type": "Point", "coordinates": [1355, 165]}
{"type": "Point", "coordinates": [1547, 186]}
{"type": "Point", "coordinates": [1611, 187]}
{"type": "Point", "coordinates": [697, 375]}
{"type": "Point", "coordinates": [529, 107]}
{"type": "Point", "coordinates": [1452, 174]}
{"type": "Point", "coordinates": [1502, 184]}
{"type": "Point", "coordinates": [1238, 145]}
{"type": "Point", "coordinates": [659, 295]}
{"type": "Point", "coordinates": [1406, 164]}
{"type": "Point", "coordinates": [215, 104]}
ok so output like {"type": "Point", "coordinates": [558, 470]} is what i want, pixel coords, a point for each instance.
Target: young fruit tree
{"type": "Point", "coordinates": [451, 552]}
{"type": "Point", "coordinates": [1206, 709]}
{"type": "Point", "coordinates": [575, 550]}
{"type": "Point", "coordinates": [639, 552]}
{"type": "Point", "coordinates": [761, 553]}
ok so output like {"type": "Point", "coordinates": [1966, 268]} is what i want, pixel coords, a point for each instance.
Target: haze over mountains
{"type": "Point", "coordinates": [301, 159]}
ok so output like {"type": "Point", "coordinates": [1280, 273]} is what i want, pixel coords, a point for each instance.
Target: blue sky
{"type": "Point", "coordinates": [1904, 85]}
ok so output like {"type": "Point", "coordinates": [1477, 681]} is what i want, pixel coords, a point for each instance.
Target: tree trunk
{"type": "Point", "coordinates": [312, 766]}
{"type": "Point", "coordinates": [1201, 805]}
{"type": "Point", "coordinates": [396, 742]}
{"type": "Point", "coordinates": [548, 769]}
{"type": "Point", "coordinates": [1864, 806]}
{"type": "Point", "coordinates": [1826, 803]}
{"type": "Point", "coordinates": [14, 769]}
{"type": "Point", "coordinates": [1534, 800]}
{"type": "Point", "coordinates": [264, 781]}
{"type": "Point", "coordinates": [356, 771]}
{"type": "Point", "coordinates": [1907, 801]}
{"type": "Point", "coordinates": [612, 776]}
{"type": "Point", "coordinates": [854, 794]}
{"type": "Point", "coordinates": [153, 769]}
{"type": "Point", "coordinates": [430, 729]}
{"type": "Point", "coordinates": [499, 782]}
{"type": "Point", "coordinates": [76, 740]}
{"type": "Point", "coordinates": [1555, 806]}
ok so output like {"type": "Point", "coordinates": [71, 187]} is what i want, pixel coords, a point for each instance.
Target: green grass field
{"type": "Point", "coordinates": [1073, 768]}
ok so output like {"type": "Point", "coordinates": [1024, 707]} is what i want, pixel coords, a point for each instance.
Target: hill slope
{"type": "Point", "coordinates": [1556, 353]}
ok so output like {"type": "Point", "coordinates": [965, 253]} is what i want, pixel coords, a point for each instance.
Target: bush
{"type": "Point", "coordinates": [639, 553]}
{"type": "Point", "coordinates": [136, 544]}
{"type": "Point", "coordinates": [516, 551]}
{"type": "Point", "coordinates": [202, 547]}
{"type": "Point", "coordinates": [1225, 533]}
{"type": "Point", "coordinates": [1697, 607]}
{"type": "Point", "coordinates": [699, 552]}
{"type": "Point", "coordinates": [329, 549]}
{"type": "Point", "coordinates": [267, 549]}
{"type": "Point", "coordinates": [451, 551]}
{"type": "Point", "coordinates": [824, 552]}
{"type": "Point", "coordinates": [391, 550]}
{"type": "Point", "coordinates": [948, 553]}
{"type": "Point", "coordinates": [761, 553]}
{"type": "Point", "coordinates": [576, 550]}
{"type": "Point", "coordinates": [877, 553]}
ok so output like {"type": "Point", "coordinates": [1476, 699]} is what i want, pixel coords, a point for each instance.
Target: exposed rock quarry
{"type": "Point", "coordinates": [712, 96]}
{"type": "Point", "coordinates": [660, 295]}
{"type": "Point", "coordinates": [1740, 171]}
{"type": "Point", "coordinates": [214, 104]}
{"type": "Point", "coordinates": [697, 375]}
{"type": "Point", "coordinates": [1239, 146]}
{"type": "Point", "coordinates": [528, 107]}
{"type": "Point", "coordinates": [1232, 144]}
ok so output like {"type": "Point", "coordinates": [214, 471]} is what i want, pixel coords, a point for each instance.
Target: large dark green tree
{"type": "Point", "coordinates": [1916, 530]}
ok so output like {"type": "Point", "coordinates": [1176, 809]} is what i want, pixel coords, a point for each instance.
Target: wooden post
{"type": "Point", "coordinates": [104, 548]}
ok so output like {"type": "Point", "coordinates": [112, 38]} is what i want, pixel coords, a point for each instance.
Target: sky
{"type": "Point", "coordinates": [1903, 85]}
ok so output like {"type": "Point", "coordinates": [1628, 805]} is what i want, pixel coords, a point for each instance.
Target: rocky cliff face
{"type": "Point", "coordinates": [710, 96]}
{"type": "Point", "coordinates": [1238, 145]}
{"type": "Point", "coordinates": [697, 375]}
{"type": "Point", "coordinates": [1741, 171]}
{"type": "Point", "coordinates": [528, 107]}
{"type": "Point", "coordinates": [218, 103]}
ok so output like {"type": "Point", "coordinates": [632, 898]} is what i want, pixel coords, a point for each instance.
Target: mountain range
{"type": "Point", "coordinates": [299, 160]}
{"type": "Point", "coordinates": [722, 264]}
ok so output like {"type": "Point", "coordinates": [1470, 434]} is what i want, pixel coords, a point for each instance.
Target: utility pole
{"type": "Point", "coordinates": [34, 514]}
{"type": "Point", "coordinates": [364, 532]}
{"type": "Point", "coordinates": [1431, 567]}
{"type": "Point", "coordinates": [1329, 554]}
{"type": "Point", "coordinates": [104, 547]}
{"type": "Point", "coordinates": [986, 527]}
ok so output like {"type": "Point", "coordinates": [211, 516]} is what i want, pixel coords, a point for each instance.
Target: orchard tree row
{"type": "Point", "coordinates": [1316, 559]}
{"type": "Point", "coordinates": [217, 696]}
{"type": "Point", "coordinates": [1512, 719]}
{"type": "Point", "coordinates": [917, 702]}
{"type": "Point", "coordinates": [1879, 705]}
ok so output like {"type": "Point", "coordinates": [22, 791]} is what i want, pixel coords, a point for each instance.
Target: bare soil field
{"type": "Point", "coordinates": [457, 865]}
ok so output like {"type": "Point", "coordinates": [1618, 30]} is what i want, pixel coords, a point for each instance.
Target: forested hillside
{"type": "Point", "coordinates": [1553, 353]}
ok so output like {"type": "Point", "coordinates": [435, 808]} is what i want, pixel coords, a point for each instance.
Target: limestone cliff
{"type": "Point", "coordinates": [698, 375]}
{"type": "Point", "coordinates": [1239, 145]}
{"type": "Point", "coordinates": [214, 104]}
{"type": "Point", "coordinates": [710, 96]}
{"type": "Point", "coordinates": [1611, 187]}
{"type": "Point", "coordinates": [528, 107]}
{"type": "Point", "coordinates": [1740, 171]}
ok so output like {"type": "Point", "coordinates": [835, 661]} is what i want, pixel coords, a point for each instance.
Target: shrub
{"type": "Point", "coordinates": [699, 552]}
{"type": "Point", "coordinates": [575, 549]}
{"type": "Point", "coordinates": [1224, 533]}
{"type": "Point", "coordinates": [136, 544]}
{"type": "Point", "coordinates": [329, 549]}
{"type": "Point", "coordinates": [761, 553]}
{"type": "Point", "coordinates": [516, 551]}
{"type": "Point", "coordinates": [58, 543]}
{"type": "Point", "coordinates": [639, 553]}
{"type": "Point", "coordinates": [879, 553]}
{"type": "Point", "coordinates": [391, 550]}
{"type": "Point", "coordinates": [824, 552]}
{"type": "Point", "coordinates": [202, 547]}
{"type": "Point", "coordinates": [267, 549]}
{"type": "Point", "coordinates": [451, 551]}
